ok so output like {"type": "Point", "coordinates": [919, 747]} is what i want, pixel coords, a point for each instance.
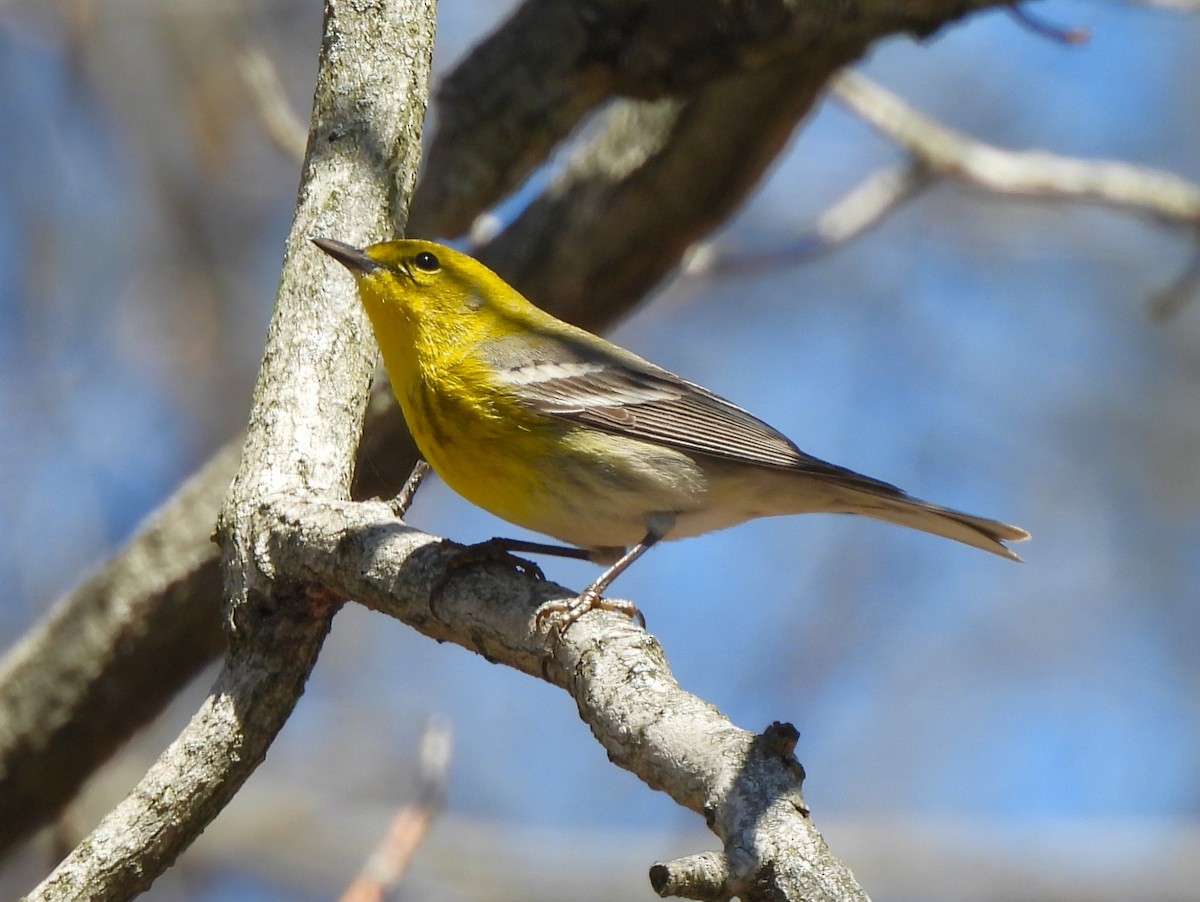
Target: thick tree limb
{"type": "Point", "coordinates": [363, 149]}
{"type": "Point", "coordinates": [534, 79]}
{"type": "Point", "coordinates": [112, 654]}
{"type": "Point", "coordinates": [599, 234]}
{"type": "Point", "coordinates": [664, 169]}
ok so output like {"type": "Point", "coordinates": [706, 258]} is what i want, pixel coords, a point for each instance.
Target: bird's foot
{"type": "Point", "coordinates": [566, 611]}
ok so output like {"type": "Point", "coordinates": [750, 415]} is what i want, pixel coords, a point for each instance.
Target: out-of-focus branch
{"type": "Point", "coordinates": [197, 776]}
{"type": "Point", "coordinates": [656, 177]}
{"type": "Point", "coordinates": [300, 444]}
{"type": "Point", "coordinates": [942, 151]}
{"type": "Point", "coordinates": [1170, 300]}
{"type": "Point", "coordinates": [938, 151]}
{"type": "Point", "coordinates": [534, 79]}
{"type": "Point", "coordinates": [111, 654]}
{"type": "Point", "coordinates": [860, 210]}
{"type": "Point", "coordinates": [946, 152]}
{"type": "Point", "coordinates": [269, 101]}
{"type": "Point", "coordinates": [391, 859]}
{"type": "Point", "coordinates": [664, 166]}
{"type": "Point", "coordinates": [1039, 26]}
{"type": "Point", "coordinates": [1182, 6]}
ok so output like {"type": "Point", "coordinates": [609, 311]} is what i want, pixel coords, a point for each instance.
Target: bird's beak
{"type": "Point", "coordinates": [346, 254]}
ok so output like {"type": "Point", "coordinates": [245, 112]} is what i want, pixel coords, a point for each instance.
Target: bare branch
{"type": "Point", "coordinates": [1181, 6]}
{"type": "Point", "coordinates": [403, 501]}
{"type": "Point", "coordinates": [657, 177]}
{"type": "Point", "coordinates": [665, 165]}
{"type": "Point", "coordinates": [944, 151]}
{"type": "Point", "coordinates": [705, 875]}
{"type": "Point", "coordinates": [531, 82]}
{"type": "Point", "coordinates": [197, 776]}
{"type": "Point", "coordinates": [1170, 300]}
{"type": "Point", "coordinates": [1040, 26]}
{"type": "Point", "coordinates": [859, 211]}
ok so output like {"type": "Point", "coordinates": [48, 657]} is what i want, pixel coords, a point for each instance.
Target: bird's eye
{"type": "Point", "coordinates": [426, 261]}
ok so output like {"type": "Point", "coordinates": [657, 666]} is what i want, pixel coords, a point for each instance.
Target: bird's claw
{"type": "Point", "coordinates": [566, 611]}
{"type": "Point", "coordinates": [490, 551]}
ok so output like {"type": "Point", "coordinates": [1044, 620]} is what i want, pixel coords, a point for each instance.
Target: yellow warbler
{"type": "Point", "coordinates": [559, 431]}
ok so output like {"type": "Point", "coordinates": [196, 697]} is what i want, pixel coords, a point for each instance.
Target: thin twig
{"type": "Point", "coordinates": [391, 859]}
{"type": "Point", "coordinates": [1040, 26]}
{"type": "Point", "coordinates": [1180, 6]}
{"type": "Point", "coordinates": [404, 498]}
{"type": "Point", "coordinates": [1167, 302]}
{"type": "Point", "coordinates": [270, 102]}
{"type": "Point", "coordinates": [862, 208]}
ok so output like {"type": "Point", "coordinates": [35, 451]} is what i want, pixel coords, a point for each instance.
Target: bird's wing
{"type": "Point", "coordinates": [637, 399]}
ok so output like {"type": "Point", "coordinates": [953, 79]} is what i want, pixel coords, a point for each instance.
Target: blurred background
{"type": "Point", "coordinates": [972, 729]}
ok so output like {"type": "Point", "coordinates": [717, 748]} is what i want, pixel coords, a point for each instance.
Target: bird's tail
{"type": "Point", "coordinates": [990, 535]}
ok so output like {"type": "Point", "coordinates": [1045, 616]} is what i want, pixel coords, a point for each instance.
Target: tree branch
{"type": "Point", "coordinates": [523, 90]}
{"type": "Point", "coordinates": [200, 772]}
{"type": "Point", "coordinates": [938, 151]}
{"type": "Point", "coordinates": [111, 654]}
{"type": "Point", "coordinates": [944, 151]}
{"type": "Point", "coordinates": [747, 787]}
{"type": "Point", "coordinates": [666, 164]}
{"type": "Point", "coordinates": [861, 209]}
{"type": "Point", "coordinates": [309, 405]}
{"type": "Point", "coordinates": [391, 859]}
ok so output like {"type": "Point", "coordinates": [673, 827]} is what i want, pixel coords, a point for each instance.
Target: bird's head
{"type": "Point", "coordinates": [420, 280]}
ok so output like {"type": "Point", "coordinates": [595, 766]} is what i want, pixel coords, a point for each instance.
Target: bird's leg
{"type": "Point", "coordinates": [501, 550]}
{"type": "Point", "coordinates": [404, 499]}
{"type": "Point", "coordinates": [567, 611]}
{"type": "Point", "coordinates": [501, 546]}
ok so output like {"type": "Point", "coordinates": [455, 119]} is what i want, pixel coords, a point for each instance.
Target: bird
{"type": "Point", "coordinates": [563, 433]}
